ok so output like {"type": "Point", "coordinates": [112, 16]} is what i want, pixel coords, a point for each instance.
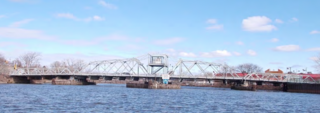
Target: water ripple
{"type": "Point", "coordinates": [21, 98]}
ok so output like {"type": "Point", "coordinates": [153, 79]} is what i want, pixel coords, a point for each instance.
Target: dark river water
{"type": "Point", "coordinates": [16, 98]}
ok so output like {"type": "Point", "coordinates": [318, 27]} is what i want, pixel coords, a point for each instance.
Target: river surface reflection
{"type": "Point", "coordinates": [18, 98]}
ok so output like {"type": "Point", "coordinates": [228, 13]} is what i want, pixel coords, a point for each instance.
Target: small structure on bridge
{"type": "Point", "coordinates": [165, 78]}
{"type": "Point", "coordinates": [278, 72]}
{"type": "Point", "coordinates": [157, 63]}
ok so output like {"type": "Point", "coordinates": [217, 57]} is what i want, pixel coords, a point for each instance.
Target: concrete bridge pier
{"type": "Point", "coordinates": [244, 85]}
{"type": "Point", "coordinates": [210, 81]}
{"type": "Point", "coordinates": [48, 79]}
{"type": "Point", "coordinates": [36, 79]}
{"type": "Point", "coordinates": [71, 80]}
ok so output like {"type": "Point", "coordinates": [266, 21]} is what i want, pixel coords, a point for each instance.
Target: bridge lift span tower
{"type": "Point", "coordinates": [158, 63]}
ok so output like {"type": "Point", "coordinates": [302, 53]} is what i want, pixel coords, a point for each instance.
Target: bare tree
{"type": "Point", "coordinates": [74, 65]}
{"type": "Point", "coordinates": [317, 60]}
{"type": "Point", "coordinates": [249, 68]}
{"type": "Point", "coordinates": [57, 66]}
{"type": "Point", "coordinates": [30, 59]}
{"type": "Point", "coordinates": [80, 65]}
{"type": "Point", "coordinates": [17, 62]}
{"type": "Point", "coordinates": [2, 59]}
{"type": "Point", "coordinates": [4, 65]}
{"type": "Point", "coordinates": [225, 69]}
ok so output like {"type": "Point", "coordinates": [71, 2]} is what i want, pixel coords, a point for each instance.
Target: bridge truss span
{"type": "Point", "coordinates": [156, 65]}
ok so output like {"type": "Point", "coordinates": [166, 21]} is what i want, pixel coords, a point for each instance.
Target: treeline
{"type": "Point", "coordinates": [242, 68]}
{"type": "Point", "coordinates": [32, 60]}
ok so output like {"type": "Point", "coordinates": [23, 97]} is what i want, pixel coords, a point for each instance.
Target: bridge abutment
{"type": "Point", "coordinates": [19, 80]}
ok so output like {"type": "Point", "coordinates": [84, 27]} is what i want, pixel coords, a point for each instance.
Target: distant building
{"type": "Point", "coordinates": [279, 71]}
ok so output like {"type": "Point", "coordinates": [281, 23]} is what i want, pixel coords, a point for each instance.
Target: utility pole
{"type": "Point", "coordinates": [289, 68]}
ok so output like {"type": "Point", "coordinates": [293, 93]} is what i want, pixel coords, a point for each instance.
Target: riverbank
{"type": "Point", "coordinates": [4, 79]}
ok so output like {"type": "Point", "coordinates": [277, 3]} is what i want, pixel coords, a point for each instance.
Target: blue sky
{"type": "Point", "coordinates": [273, 34]}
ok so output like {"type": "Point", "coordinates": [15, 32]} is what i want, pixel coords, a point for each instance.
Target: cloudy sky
{"type": "Point", "coordinates": [271, 33]}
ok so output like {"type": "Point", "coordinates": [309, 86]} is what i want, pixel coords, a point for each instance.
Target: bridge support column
{"type": "Point", "coordinates": [136, 79]}
{"type": "Point", "coordinates": [276, 84]}
{"type": "Point", "coordinates": [285, 87]}
{"type": "Point", "coordinates": [122, 78]}
{"type": "Point", "coordinates": [225, 82]}
{"type": "Point", "coordinates": [259, 83]}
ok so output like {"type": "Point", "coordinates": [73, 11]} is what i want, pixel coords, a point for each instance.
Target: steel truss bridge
{"type": "Point", "coordinates": [156, 65]}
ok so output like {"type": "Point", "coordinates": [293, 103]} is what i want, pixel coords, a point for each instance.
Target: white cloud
{"type": "Point", "coordinates": [217, 53]}
{"type": "Point", "coordinates": [95, 41]}
{"type": "Point", "coordinates": [23, 1]}
{"type": "Point", "coordinates": [294, 19]}
{"type": "Point", "coordinates": [215, 27]}
{"type": "Point", "coordinates": [19, 23]}
{"type": "Point", "coordinates": [171, 50]}
{"type": "Point", "coordinates": [2, 16]}
{"type": "Point", "coordinates": [72, 17]}
{"type": "Point", "coordinates": [276, 63]}
{"type": "Point", "coordinates": [10, 44]}
{"type": "Point", "coordinates": [47, 59]}
{"type": "Point", "coordinates": [314, 58]}
{"type": "Point", "coordinates": [66, 15]}
{"type": "Point", "coordinates": [314, 49]}
{"type": "Point", "coordinates": [314, 32]}
{"type": "Point", "coordinates": [279, 21]}
{"type": "Point", "coordinates": [274, 40]}
{"type": "Point", "coordinates": [239, 43]}
{"type": "Point", "coordinates": [98, 18]}
{"type": "Point", "coordinates": [168, 41]}
{"type": "Point", "coordinates": [114, 37]}
{"type": "Point", "coordinates": [211, 21]}
{"type": "Point", "coordinates": [257, 24]}
{"type": "Point", "coordinates": [107, 5]}
{"type": "Point", "coordinates": [186, 54]}
{"type": "Point", "coordinates": [19, 33]}
{"type": "Point", "coordinates": [251, 52]}
{"type": "Point", "coordinates": [130, 47]}
{"type": "Point", "coordinates": [237, 53]}
{"type": "Point", "coordinates": [287, 48]}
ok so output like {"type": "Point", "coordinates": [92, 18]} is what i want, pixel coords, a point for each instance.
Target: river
{"type": "Point", "coordinates": [16, 98]}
